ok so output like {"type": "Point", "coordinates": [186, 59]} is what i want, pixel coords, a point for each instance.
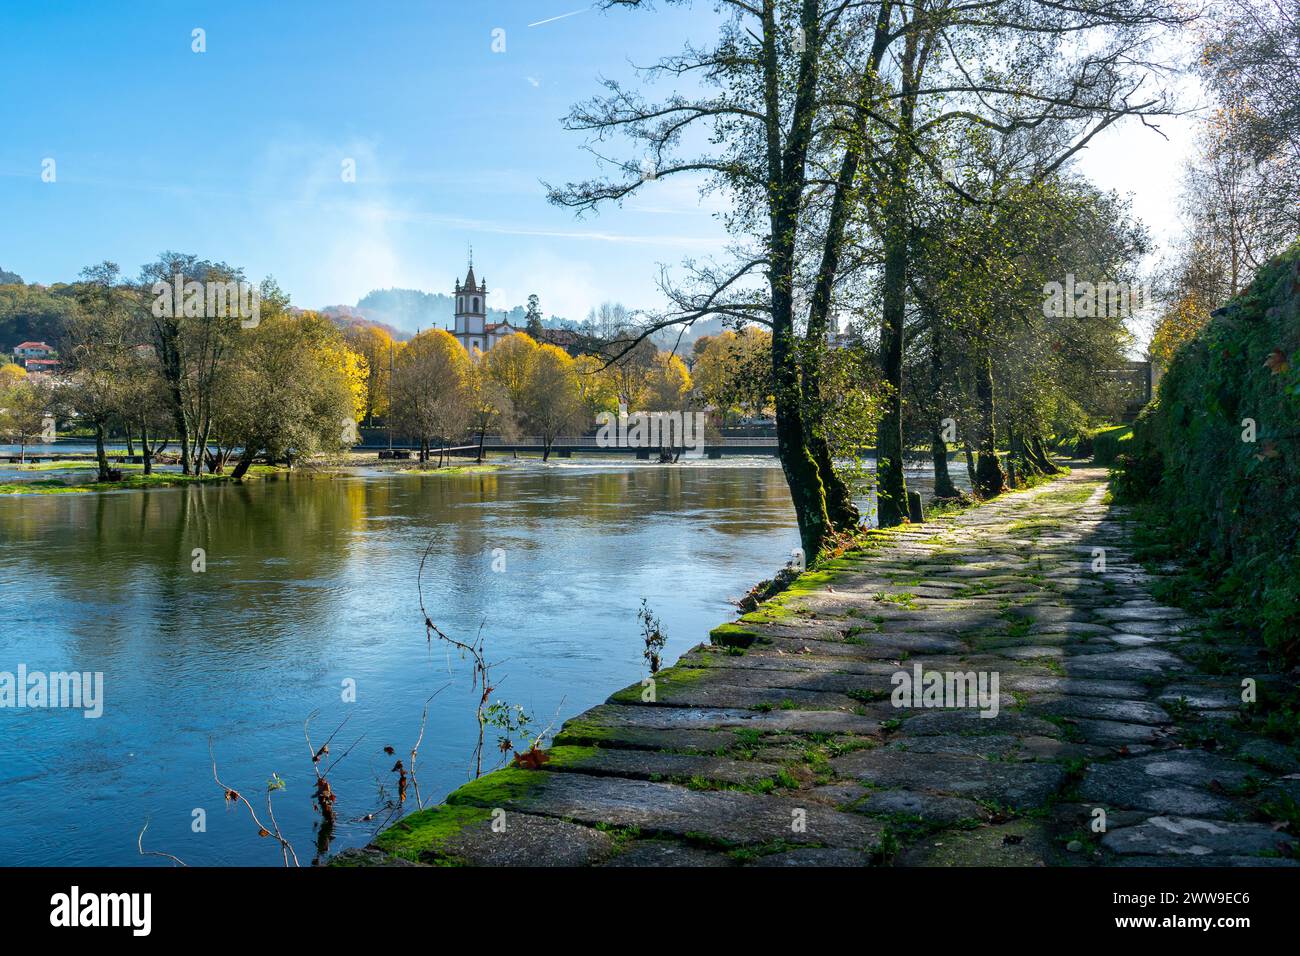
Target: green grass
{"type": "Point", "coordinates": [71, 464]}
{"type": "Point", "coordinates": [450, 470]}
{"type": "Point", "coordinates": [52, 486]}
{"type": "Point", "coordinates": [427, 831]}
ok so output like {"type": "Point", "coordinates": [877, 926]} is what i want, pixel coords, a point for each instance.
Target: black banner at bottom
{"type": "Point", "coordinates": [211, 905]}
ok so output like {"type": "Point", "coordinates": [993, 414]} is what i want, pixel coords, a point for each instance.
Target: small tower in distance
{"type": "Point", "coordinates": [471, 312]}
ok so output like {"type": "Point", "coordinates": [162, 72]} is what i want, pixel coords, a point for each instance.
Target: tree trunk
{"type": "Point", "coordinates": [101, 456]}
{"type": "Point", "coordinates": [1031, 462]}
{"type": "Point", "coordinates": [201, 449]}
{"type": "Point", "coordinates": [145, 450]}
{"type": "Point", "coordinates": [990, 480]}
{"type": "Point", "coordinates": [130, 445]}
{"type": "Point", "coordinates": [892, 490]}
{"type": "Point", "coordinates": [166, 342]}
{"type": "Point", "coordinates": [241, 466]}
{"type": "Point", "coordinates": [840, 509]}
{"type": "Point", "coordinates": [183, 427]}
{"type": "Point", "coordinates": [802, 475]}
{"type": "Point", "coordinates": [479, 460]}
{"type": "Point", "coordinates": [786, 167]}
{"type": "Point", "coordinates": [943, 486]}
{"type": "Point", "coordinates": [1038, 451]}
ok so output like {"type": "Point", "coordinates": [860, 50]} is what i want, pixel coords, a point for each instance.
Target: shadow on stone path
{"type": "Point", "coordinates": [779, 744]}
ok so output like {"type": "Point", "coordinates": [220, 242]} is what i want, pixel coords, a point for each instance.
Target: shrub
{"type": "Point", "coordinates": [1218, 453]}
{"type": "Point", "coordinates": [1108, 442]}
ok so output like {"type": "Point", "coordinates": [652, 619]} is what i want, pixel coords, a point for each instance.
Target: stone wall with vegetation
{"type": "Point", "coordinates": [1230, 504]}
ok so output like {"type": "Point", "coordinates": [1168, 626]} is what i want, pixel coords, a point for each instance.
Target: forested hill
{"type": "Point", "coordinates": [411, 309]}
{"type": "Point", "coordinates": [31, 312]}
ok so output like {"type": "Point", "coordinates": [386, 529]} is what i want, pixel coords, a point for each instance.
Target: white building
{"type": "Point", "coordinates": [472, 329]}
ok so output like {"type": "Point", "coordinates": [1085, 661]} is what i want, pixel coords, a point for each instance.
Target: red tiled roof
{"type": "Point", "coordinates": [33, 345]}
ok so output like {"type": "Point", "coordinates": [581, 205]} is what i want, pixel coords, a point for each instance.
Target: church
{"type": "Point", "coordinates": [472, 329]}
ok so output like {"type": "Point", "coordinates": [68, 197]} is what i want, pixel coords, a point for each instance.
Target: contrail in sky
{"type": "Point", "coordinates": [572, 13]}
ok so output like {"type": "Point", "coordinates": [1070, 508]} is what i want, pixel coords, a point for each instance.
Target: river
{"type": "Point", "coordinates": [309, 592]}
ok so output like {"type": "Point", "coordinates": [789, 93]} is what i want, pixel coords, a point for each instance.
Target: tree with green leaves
{"type": "Point", "coordinates": [25, 409]}
{"type": "Point", "coordinates": [819, 115]}
{"type": "Point", "coordinates": [97, 354]}
{"type": "Point", "coordinates": [533, 317]}
{"type": "Point", "coordinates": [283, 393]}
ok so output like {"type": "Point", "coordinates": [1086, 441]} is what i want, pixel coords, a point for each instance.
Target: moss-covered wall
{"type": "Point", "coordinates": [1235, 503]}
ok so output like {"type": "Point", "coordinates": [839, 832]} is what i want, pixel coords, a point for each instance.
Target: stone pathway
{"type": "Point", "coordinates": [778, 744]}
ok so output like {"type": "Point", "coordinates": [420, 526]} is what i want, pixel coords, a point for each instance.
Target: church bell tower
{"type": "Point", "coordinates": [471, 311]}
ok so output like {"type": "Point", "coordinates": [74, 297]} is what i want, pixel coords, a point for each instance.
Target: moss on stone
{"type": "Point", "coordinates": [582, 730]}
{"type": "Point", "coordinates": [733, 635]}
{"type": "Point", "coordinates": [665, 681]}
{"type": "Point", "coordinates": [569, 755]}
{"type": "Point", "coordinates": [428, 831]}
{"type": "Point", "coordinates": [498, 788]}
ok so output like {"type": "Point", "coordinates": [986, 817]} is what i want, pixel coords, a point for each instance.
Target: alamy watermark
{"type": "Point", "coordinates": [947, 689]}
{"type": "Point", "coordinates": [213, 300]}
{"type": "Point", "coordinates": [1081, 299]}
{"type": "Point", "coordinates": [129, 910]}
{"type": "Point", "coordinates": [667, 430]}
{"type": "Point", "coordinates": [65, 689]}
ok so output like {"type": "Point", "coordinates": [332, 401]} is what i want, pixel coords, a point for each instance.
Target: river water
{"type": "Point", "coordinates": [309, 600]}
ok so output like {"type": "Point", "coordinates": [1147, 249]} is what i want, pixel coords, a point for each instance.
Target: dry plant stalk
{"type": "Point", "coordinates": [234, 796]}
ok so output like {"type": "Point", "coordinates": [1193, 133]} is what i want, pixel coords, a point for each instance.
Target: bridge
{"type": "Point", "coordinates": [567, 446]}
{"type": "Point", "coordinates": [1136, 381]}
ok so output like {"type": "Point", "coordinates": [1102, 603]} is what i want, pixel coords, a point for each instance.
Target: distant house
{"type": "Point", "coordinates": [496, 331]}
{"type": "Point", "coordinates": [34, 366]}
{"type": "Point", "coordinates": [32, 350]}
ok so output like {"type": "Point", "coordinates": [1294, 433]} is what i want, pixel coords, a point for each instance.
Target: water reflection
{"type": "Point", "coordinates": [309, 584]}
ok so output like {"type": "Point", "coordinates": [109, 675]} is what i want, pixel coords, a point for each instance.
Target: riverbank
{"type": "Point", "coordinates": [312, 580]}
{"type": "Point", "coordinates": [170, 479]}
{"type": "Point", "coordinates": [1116, 732]}
{"type": "Point", "coordinates": [159, 479]}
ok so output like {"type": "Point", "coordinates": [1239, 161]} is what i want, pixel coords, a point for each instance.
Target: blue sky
{"type": "Point", "coordinates": [236, 153]}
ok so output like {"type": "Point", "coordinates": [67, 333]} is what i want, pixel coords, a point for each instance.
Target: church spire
{"type": "Point", "coordinates": [470, 284]}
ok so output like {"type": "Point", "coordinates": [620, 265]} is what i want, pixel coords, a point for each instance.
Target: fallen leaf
{"type": "Point", "coordinates": [532, 758]}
